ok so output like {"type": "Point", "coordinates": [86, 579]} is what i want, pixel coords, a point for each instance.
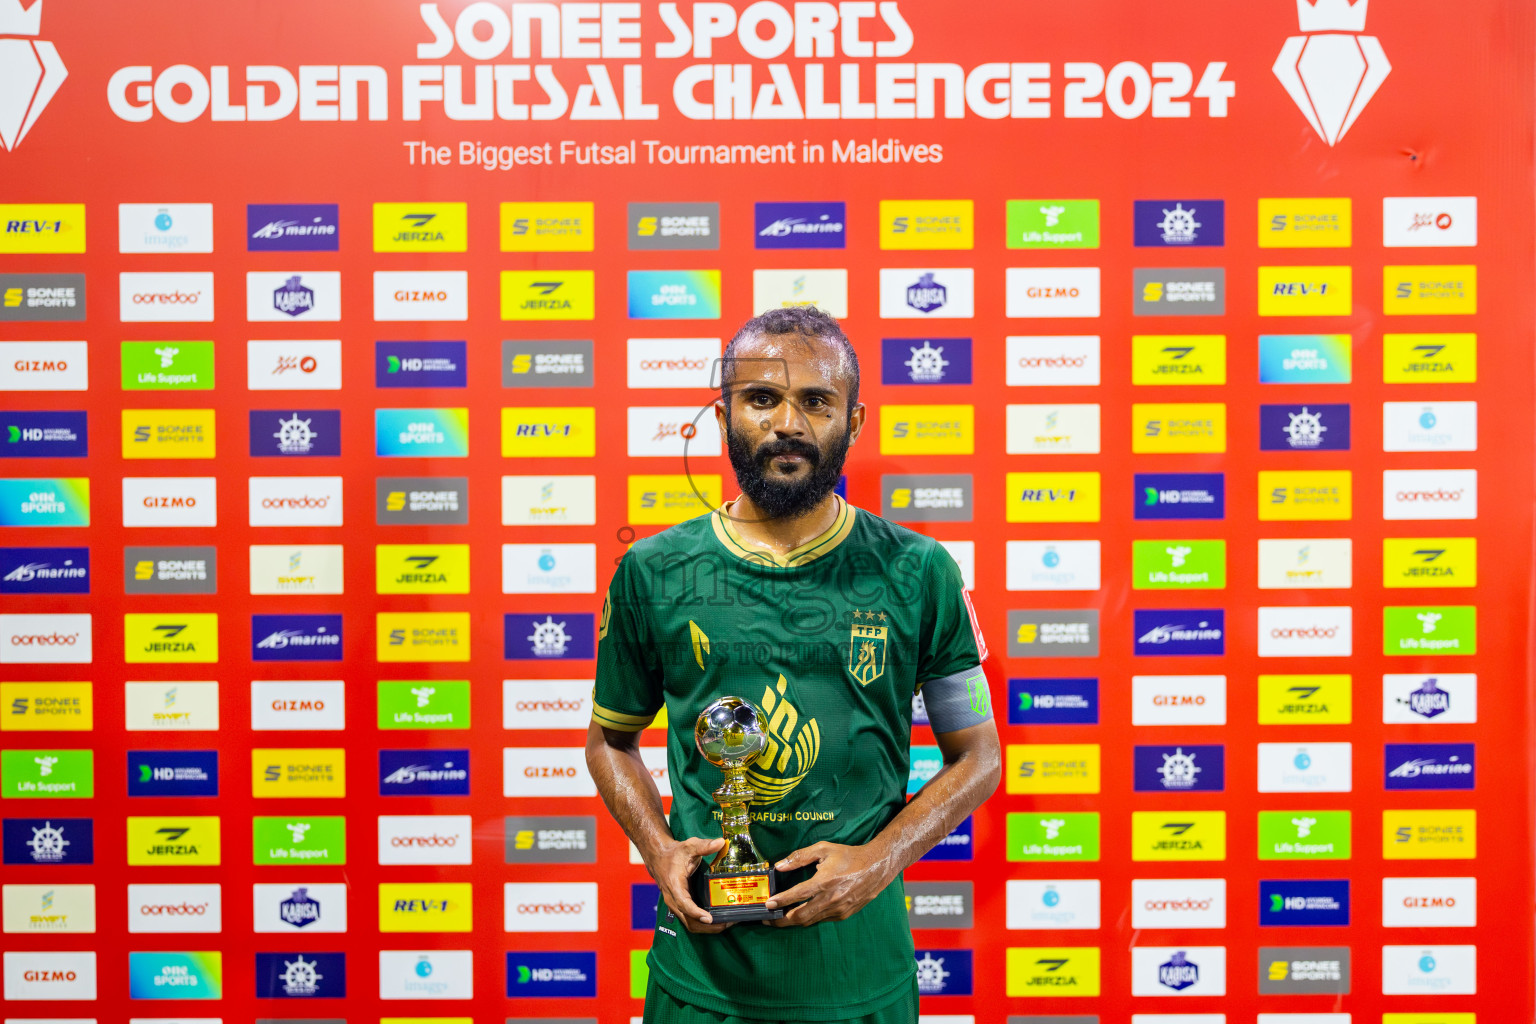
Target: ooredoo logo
{"type": "Point", "coordinates": [295, 501]}
{"type": "Point", "coordinates": [175, 908]}
{"type": "Point", "coordinates": [165, 298]}
{"type": "Point", "coordinates": [551, 907]}
{"type": "Point", "coordinates": [1053, 361]}
{"type": "Point", "coordinates": [1429, 494]}
{"type": "Point", "coordinates": [672, 362]}
{"type": "Point", "coordinates": [546, 703]}
{"type": "Point", "coordinates": [1305, 632]}
{"type": "Point", "coordinates": [425, 839]}
{"type": "Point", "coordinates": [45, 639]}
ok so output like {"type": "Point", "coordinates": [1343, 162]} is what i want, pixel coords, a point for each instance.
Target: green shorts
{"type": "Point", "coordinates": [662, 1008]}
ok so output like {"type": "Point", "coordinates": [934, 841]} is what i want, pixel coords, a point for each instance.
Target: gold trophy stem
{"type": "Point", "coordinates": [739, 852]}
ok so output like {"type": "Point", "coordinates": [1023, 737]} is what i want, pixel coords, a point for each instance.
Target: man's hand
{"type": "Point", "coordinates": [671, 866]}
{"type": "Point", "coordinates": [846, 878]}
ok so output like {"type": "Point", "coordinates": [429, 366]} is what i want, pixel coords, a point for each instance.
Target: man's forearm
{"type": "Point", "coordinates": [958, 789]}
{"type": "Point", "coordinates": [626, 786]}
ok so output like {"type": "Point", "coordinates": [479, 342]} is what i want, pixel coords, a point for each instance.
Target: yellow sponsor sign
{"type": "Point", "coordinates": [927, 224]}
{"type": "Point", "coordinates": [1051, 971]}
{"type": "Point", "coordinates": [1305, 495]}
{"type": "Point", "coordinates": [664, 499]}
{"type": "Point", "coordinates": [1178, 427]}
{"type": "Point", "coordinates": [1429, 358]}
{"type": "Point", "coordinates": [1304, 224]}
{"type": "Point", "coordinates": [420, 227]}
{"type": "Point", "coordinates": [42, 227]}
{"type": "Point", "coordinates": [1053, 768]}
{"type": "Point", "coordinates": [1178, 835]}
{"type": "Point", "coordinates": [1429, 835]}
{"type": "Point", "coordinates": [927, 429]}
{"type": "Point", "coordinates": [298, 771]}
{"type": "Point", "coordinates": [1178, 359]}
{"type": "Point", "coordinates": [1429, 1018]}
{"type": "Point", "coordinates": [46, 707]}
{"type": "Point", "coordinates": [171, 637]}
{"type": "Point", "coordinates": [548, 432]}
{"type": "Point", "coordinates": [1053, 497]}
{"type": "Point", "coordinates": [173, 841]}
{"type": "Point", "coordinates": [1429, 290]}
{"type": "Point", "coordinates": [548, 295]}
{"type": "Point", "coordinates": [1305, 291]}
{"type": "Point", "coordinates": [50, 909]}
{"type": "Point", "coordinates": [547, 227]}
{"type": "Point", "coordinates": [1429, 562]}
{"type": "Point", "coordinates": [423, 636]}
{"type": "Point", "coordinates": [421, 568]}
{"type": "Point", "coordinates": [1305, 700]}
{"type": "Point", "coordinates": [168, 434]}
{"type": "Point", "coordinates": [426, 907]}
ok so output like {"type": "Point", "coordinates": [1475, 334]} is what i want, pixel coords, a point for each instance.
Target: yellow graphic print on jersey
{"type": "Point", "coordinates": [793, 747]}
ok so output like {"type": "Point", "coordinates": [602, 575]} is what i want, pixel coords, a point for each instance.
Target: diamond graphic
{"type": "Point", "coordinates": [30, 71]}
{"type": "Point", "coordinates": [1329, 75]}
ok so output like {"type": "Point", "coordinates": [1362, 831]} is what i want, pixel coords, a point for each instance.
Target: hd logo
{"type": "Point", "coordinates": [548, 295]}
{"type": "Point", "coordinates": [171, 638]}
{"type": "Point", "coordinates": [420, 227]}
{"type": "Point", "coordinates": [1051, 971]}
{"type": "Point", "coordinates": [1179, 359]}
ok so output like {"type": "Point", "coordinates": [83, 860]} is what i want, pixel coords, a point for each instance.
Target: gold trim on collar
{"type": "Point", "coordinates": [811, 550]}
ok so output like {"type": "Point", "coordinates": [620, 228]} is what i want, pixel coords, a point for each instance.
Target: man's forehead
{"type": "Point", "coordinates": [787, 361]}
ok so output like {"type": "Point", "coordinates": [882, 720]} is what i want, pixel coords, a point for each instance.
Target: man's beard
{"type": "Point", "coordinates": [781, 498]}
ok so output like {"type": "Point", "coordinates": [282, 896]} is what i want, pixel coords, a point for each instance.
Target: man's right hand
{"type": "Point", "coordinates": [671, 866]}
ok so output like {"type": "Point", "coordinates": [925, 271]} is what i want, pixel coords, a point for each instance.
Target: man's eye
{"type": "Point", "coordinates": [814, 403]}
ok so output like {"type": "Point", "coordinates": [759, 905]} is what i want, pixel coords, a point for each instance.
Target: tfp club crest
{"type": "Point", "coordinates": [866, 646]}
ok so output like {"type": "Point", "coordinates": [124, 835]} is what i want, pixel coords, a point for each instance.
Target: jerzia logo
{"type": "Point", "coordinates": [30, 71]}
{"type": "Point", "coordinates": [1331, 76]}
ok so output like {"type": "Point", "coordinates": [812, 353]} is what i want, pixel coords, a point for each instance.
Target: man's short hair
{"type": "Point", "coordinates": [808, 324]}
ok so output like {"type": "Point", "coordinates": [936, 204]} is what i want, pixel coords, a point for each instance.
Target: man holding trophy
{"type": "Point", "coordinates": [785, 635]}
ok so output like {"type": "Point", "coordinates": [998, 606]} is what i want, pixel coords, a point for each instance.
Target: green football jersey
{"type": "Point", "coordinates": [830, 641]}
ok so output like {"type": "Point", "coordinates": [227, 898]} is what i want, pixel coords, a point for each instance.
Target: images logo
{"type": "Point", "coordinates": [419, 364]}
{"type": "Point", "coordinates": [1053, 223]}
{"type": "Point", "coordinates": [1285, 903]}
{"type": "Point", "coordinates": [34, 74]}
{"type": "Point", "coordinates": [1331, 76]}
{"type": "Point", "coordinates": [1180, 223]}
{"type": "Point", "coordinates": [925, 360]}
{"type": "Point", "coordinates": [1304, 358]}
{"type": "Point", "coordinates": [287, 227]}
{"type": "Point", "coordinates": [799, 226]}
{"type": "Point", "coordinates": [1053, 565]}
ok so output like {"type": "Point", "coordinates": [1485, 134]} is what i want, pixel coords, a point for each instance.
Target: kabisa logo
{"type": "Point", "coordinates": [944, 972]}
{"type": "Point", "coordinates": [424, 773]}
{"type": "Point", "coordinates": [301, 975]}
{"type": "Point", "coordinates": [30, 71]}
{"type": "Point", "coordinates": [1431, 766]}
{"type": "Point", "coordinates": [1182, 632]}
{"type": "Point", "coordinates": [299, 909]}
{"type": "Point", "coordinates": [799, 226]}
{"type": "Point", "coordinates": [296, 638]}
{"type": "Point", "coordinates": [293, 297]}
{"type": "Point", "coordinates": [295, 432]}
{"type": "Point", "coordinates": [286, 227]}
{"type": "Point", "coordinates": [49, 841]}
{"type": "Point", "coordinates": [551, 975]}
{"type": "Point", "coordinates": [420, 364]}
{"type": "Point", "coordinates": [1182, 769]}
{"type": "Point", "coordinates": [1312, 902]}
{"type": "Point", "coordinates": [1331, 76]}
{"type": "Point", "coordinates": [1180, 496]}
{"type": "Point", "coordinates": [539, 637]}
{"type": "Point", "coordinates": [1441, 699]}
{"type": "Point", "coordinates": [45, 570]}
{"type": "Point", "coordinates": [1304, 428]}
{"type": "Point", "coordinates": [926, 294]}
{"type": "Point", "coordinates": [1179, 223]}
{"type": "Point", "coordinates": [925, 361]}
{"type": "Point", "coordinates": [1178, 972]}
{"type": "Point", "coordinates": [173, 773]}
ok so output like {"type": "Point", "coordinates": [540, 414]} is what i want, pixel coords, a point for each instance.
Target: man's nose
{"type": "Point", "coordinates": [787, 420]}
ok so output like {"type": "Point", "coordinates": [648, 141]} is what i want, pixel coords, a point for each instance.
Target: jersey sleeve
{"type": "Point", "coordinates": [628, 690]}
{"type": "Point", "coordinates": [952, 640]}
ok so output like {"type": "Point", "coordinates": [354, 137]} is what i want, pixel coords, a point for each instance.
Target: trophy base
{"type": "Point", "coordinates": [736, 895]}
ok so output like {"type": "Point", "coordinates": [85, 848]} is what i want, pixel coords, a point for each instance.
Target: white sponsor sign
{"type": "Point", "coordinates": [295, 500]}
{"type": "Point", "coordinates": [1306, 631]}
{"type": "Point", "coordinates": [1178, 970]}
{"type": "Point", "coordinates": [1053, 565]}
{"type": "Point", "coordinates": [1053, 361]}
{"type": "Point", "coordinates": [307, 907]}
{"type": "Point", "coordinates": [826, 289]}
{"type": "Point", "coordinates": [546, 703]}
{"type": "Point", "coordinates": [1178, 903]}
{"type": "Point", "coordinates": [675, 362]}
{"type": "Point", "coordinates": [170, 501]}
{"type": "Point", "coordinates": [1053, 291]}
{"type": "Point", "coordinates": [1440, 699]}
{"type": "Point", "coordinates": [549, 568]}
{"type": "Point", "coordinates": [550, 906]}
{"type": "Point", "coordinates": [655, 759]}
{"type": "Point", "coordinates": [545, 771]}
{"type": "Point", "coordinates": [1178, 700]}
{"type": "Point", "coordinates": [1053, 429]}
{"type": "Point", "coordinates": [43, 366]}
{"type": "Point", "coordinates": [426, 974]}
{"type": "Point", "coordinates": [293, 365]}
{"type": "Point", "coordinates": [1052, 905]}
{"type": "Point", "coordinates": [164, 227]}
{"type": "Point", "coordinates": [1429, 494]}
{"type": "Point", "coordinates": [673, 431]}
{"type": "Point", "coordinates": [174, 706]}
{"type": "Point", "coordinates": [166, 909]}
{"type": "Point", "coordinates": [296, 569]}
{"type": "Point", "coordinates": [1428, 221]}
{"type": "Point", "coordinates": [45, 639]}
{"type": "Point", "coordinates": [1429, 902]}
{"type": "Point", "coordinates": [420, 295]}
{"type": "Point", "coordinates": [162, 298]}
{"type": "Point", "coordinates": [49, 909]}
{"type": "Point", "coordinates": [49, 976]}
{"type": "Point", "coordinates": [1429, 970]}
{"type": "Point", "coordinates": [1193, 1018]}
{"type": "Point", "coordinates": [1429, 426]}
{"type": "Point", "coordinates": [307, 705]}
{"type": "Point", "coordinates": [292, 296]}
{"type": "Point", "coordinates": [1300, 1018]}
{"type": "Point", "coordinates": [1305, 767]}
{"type": "Point", "coordinates": [1306, 563]}
{"type": "Point", "coordinates": [927, 293]}
{"type": "Point", "coordinates": [426, 839]}
{"type": "Point", "coordinates": [964, 554]}
{"type": "Point", "coordinates": [548, 500]}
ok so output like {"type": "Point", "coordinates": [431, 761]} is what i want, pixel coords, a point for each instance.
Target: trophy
{"type": "Point", "coordinates": [738, 881]}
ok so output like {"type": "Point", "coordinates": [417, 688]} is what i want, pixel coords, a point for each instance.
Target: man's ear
{"type": "Point", "coordinates": [856, 423]}
{"type": "Point", "coordinates": [722, 417]}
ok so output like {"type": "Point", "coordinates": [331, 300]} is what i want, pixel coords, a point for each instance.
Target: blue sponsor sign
{"type": "Point", "coordinates": [301, 975]}
{"type": "Point", "coordinates": [943, 972]}
{"type": "Point", "coordinates": [1309, 427]}
{"type": "Point", "coordinates": [292, 227]}
{"type": "Point", "coordinates": [49, 841]}
{"type": "Point", "coordinates": [42, 435]}
{"type": "Point", "coordinates": [1431, 766]}
{"type": "Point", "coordinates": [841, 487]}
{"type": "Point", "coordinates": [545, 636]}
{"type": "Point", "coordinates": [551, 975]}
{"type": "Point", "coordinates": [800, 225]}
{"type": "Point", "coordinates": [45, 570]}
{"type": "Point", "coordinates": [295, 637]}
{"type": "Point", "coordinates": [173, 773]}
{"type": "Point", "coordinates": [925, 360]}
{"type": "Point", "coordinates": [1181, 768]}
{"type": "Point", "coordinates": [295, 432]}
{"type": "Point", "coordinates": [923, 763]}
{"type": "Point", "coordinates": [424, 773]}
{"type": "Point", "coordinates": [1053, 702]}
{"type": "Point", "coordinates": [1180, 496]}
{"type": "Point", "coordinates": [1180, 223]}
{"type": "Point", "coordinates": [1175, 632]}
{"type": "Point", "coordinates": [1306, 902]}
{"type": "Point", "coordinates": [419, 364]}
{"type": "Point", "coordinates": [958, 845]}
{"type": "Point", "coordinates": [643, 899]}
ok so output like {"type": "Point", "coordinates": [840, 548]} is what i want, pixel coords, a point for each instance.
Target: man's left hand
{"type": "Point", "coordinates": [846, 878]}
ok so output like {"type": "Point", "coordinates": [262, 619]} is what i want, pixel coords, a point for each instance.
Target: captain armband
{"type": "Point", "coordinates": [957, 701]}
{"type": "Point", "coordinates": [620, 722]}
